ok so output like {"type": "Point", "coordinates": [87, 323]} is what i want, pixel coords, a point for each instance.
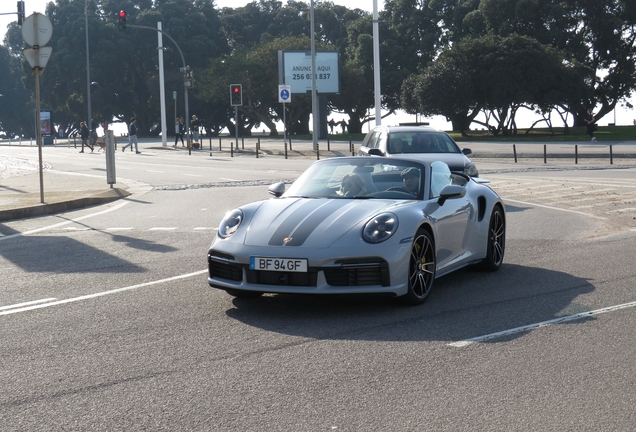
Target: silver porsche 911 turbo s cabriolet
{"type": "Point", "coordinates": [352, 225]}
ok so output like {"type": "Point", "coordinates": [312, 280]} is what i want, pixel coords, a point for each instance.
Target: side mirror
{"type": "Point", "coordinates": [375, 152]}
{"type": "Point", "coordinates": [450, 192]}
{"type": "Point", "coordinates": [277, 189]}
{"type": "Point", "coordinates": [466, 151]}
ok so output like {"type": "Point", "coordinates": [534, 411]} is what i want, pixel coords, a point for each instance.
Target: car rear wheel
{"type": "Point", "coordinates": [422, 265]}
{"type": "Point", "coordinates": [496, 241]}
{"type": "Point", "coordinates": [243, 293]}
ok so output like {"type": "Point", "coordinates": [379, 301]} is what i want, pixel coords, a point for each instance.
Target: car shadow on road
{"type": "Point", "coordinates": [464, 304]}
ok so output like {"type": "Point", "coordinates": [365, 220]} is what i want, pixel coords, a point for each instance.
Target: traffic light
{"type": "Point", "coordinates": [123, 17]}
{"type": "Point", "coordinates": [20, 12]}
{"type": "Point", "coordinates": [236, 94]}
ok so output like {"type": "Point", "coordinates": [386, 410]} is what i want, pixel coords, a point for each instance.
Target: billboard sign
{"type": "Point", "coordinates": [295, 71]}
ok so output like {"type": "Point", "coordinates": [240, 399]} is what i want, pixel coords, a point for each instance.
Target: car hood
{"type": "Point", "coordinates": [455, 161]}
{"type": "Point", "coordinates": [309, 222]}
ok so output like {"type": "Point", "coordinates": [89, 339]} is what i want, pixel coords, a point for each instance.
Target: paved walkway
{"type": "Point", "coordinates": [20, 195]}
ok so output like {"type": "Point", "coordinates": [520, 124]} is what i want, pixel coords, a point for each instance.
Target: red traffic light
{"type": "Point", "coordinates": [122, 20]}
{"type": "Point", "coordinates": [236, 94]}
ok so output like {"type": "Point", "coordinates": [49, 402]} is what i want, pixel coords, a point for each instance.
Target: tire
{"type": "Point", "coordinates": [422, 264]}
{"type": "Point", "coordinates": [496, 241]}
{"type": "Point", "coordinates": [243, 293]}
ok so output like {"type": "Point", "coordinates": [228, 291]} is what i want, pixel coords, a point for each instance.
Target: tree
{"type": "Point", "coordinates": [16, 105]}
{"type": "Point", "coordinates": [494, 74]}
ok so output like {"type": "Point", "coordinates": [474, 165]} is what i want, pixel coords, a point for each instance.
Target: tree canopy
{"type": "Point", "coordinates": [437, 57]}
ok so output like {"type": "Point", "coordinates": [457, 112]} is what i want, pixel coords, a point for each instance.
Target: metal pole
{"type": "Point", "coordinates": [162, 89]}
{"type": "Point", "coordinates": [376, 64]}
{"type": "Point", "coordinates": [285, 128]}
{"type": "Point", "coordinates": [514, 150]}
{"type": "Point", "coordinates": [314, 96]}
{"type": "Point", "coordinates": [37, 71]}
{"type": "Point", "coordinates": [236, 124]}
{"type": "Point", "coordinates": [88, 72]}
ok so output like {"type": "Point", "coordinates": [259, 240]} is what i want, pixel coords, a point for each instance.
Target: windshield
{"type": "Point", "coordinates": [421, 142]}
{"type": "Point", "coordinates": [360, 178]}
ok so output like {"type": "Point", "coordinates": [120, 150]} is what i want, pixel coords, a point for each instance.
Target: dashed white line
{"type": "Point", "coordinates": [100, 294]}
{"type": "Point", "coordinates": [554, 208]}
{"type": "Point", "coordinates": [29, 303]}
{"type": "Point", "coordinates": [162, 229]}
{"type": "Point", "coordinates": [529, 327]}
{"type": "Point", "coordinates": [119, 229]}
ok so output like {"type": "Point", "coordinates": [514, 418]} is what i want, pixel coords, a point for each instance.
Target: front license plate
{"type": "Point", "coordinates": [279, 264]}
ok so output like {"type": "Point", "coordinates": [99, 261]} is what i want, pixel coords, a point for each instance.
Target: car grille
{"type": "Point", "coordinates": [220, 268]}
{"type": "Point", "coordinates": [358, 274]}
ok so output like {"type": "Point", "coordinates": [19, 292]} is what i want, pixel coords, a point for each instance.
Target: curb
{"type": "Point", "coordinates": [57, 207]}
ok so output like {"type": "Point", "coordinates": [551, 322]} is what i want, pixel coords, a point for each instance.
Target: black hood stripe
{"type": "Point", "coordinates": [299, 228]}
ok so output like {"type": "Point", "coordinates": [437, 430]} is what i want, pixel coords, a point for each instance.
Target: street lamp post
{"type": "Point", "coordinates": [88, 71]}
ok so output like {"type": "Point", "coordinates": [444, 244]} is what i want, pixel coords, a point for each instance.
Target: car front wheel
{"type": "Point", "coordinates": [496, 241]}
{"type": "Point", "coordinates": [422, 265]}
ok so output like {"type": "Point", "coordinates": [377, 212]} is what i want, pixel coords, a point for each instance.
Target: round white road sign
{"type": "Point", "coordinates": [37, 29]}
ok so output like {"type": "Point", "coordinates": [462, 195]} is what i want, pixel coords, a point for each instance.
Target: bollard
{"type": "Point", "coordinates": [328, 144]}
{"type": "Point", "coordinates": [611, 156]}
{"type": "Point", "coordinates": [219, 143]}
{"type": "Point", "coordinates": [258, 144]}
{"type": "Point", "coordinates": [243, 143]}
{"type": "Point", "coordinates": [545, 153]}
{"type": "Point", "coordinates": [351, 148]}
{"type": "Point", "coordinates": [514, 150]}
{"type": "Point", "coordinates": [290, 146]}
{"type": "Point", "coordinates": [231, 149]}
{"type": "Point", "coordinates": [285, 149]}
{"type": "Point", "coordinates": [318, 151]}
{"type": "Point", "coordinates": [576, 154]}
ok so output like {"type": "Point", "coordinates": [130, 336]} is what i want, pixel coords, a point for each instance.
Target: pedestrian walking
{"type": "Point", "coordinates": [195, 124]}
{"type": "Point", "coordinates": [132, 136]}
{"type": "Point", "coordinates": [591, 124]}
{"type": "Point", "coordinates": [85, 134]}
{"type": "Point", "coordinates": [178, 132]}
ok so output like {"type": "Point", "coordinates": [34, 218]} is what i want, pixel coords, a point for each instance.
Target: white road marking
{"type": "Point", "coordinates": [19, 305]}
{"type": "Point", "coordinates": [228, 179]}
{"type": "Point", "coordinates": [119, 229]}
{"type": "Point", "coordinates": [160, 172]}
{"type": "Point", "coordinates": [57, 225]}
{"type": "Point", "coordinates": [554, 208]}
{"type": "Point", "coordinates": [529, 327]}
{"type": "Point", "coordinates": [77, 229]}
{"type": "Point", "coordinates": [102, 294]}
{"type": "Point", "coordinates": [193, 175]}
{"type": "Point", "coordinates": [162, 229]}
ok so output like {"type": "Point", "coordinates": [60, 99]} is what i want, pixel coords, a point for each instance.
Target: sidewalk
{"type": "Point", "coordinates": [20, 180]}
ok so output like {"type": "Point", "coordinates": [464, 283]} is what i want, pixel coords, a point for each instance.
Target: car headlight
{"type": "Point", "coordinates": [230, 223]}
{"type": "Point", "coordinates": [380, 228]}
{"type": "Point", "coordinates": [471, 170]}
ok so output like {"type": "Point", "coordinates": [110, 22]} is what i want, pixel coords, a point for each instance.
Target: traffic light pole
{"type": "Point", "coordinates": [184, 69]}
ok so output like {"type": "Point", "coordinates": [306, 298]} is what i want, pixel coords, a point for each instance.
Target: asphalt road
{"type": "Point", "coordinates": [108, 322]}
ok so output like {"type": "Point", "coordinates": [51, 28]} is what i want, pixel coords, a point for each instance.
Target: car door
{"type": "Point", "coordinates": [451, 221]}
